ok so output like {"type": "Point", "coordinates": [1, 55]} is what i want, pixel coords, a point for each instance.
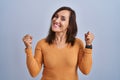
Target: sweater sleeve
{"type": "Point", "coordinates": [85, 59]}
{"type": "Point", "coordinates": [34, 63]}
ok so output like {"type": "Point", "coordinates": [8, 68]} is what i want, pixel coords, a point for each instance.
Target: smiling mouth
{"type": "Point", "coordinates": [56, 25]}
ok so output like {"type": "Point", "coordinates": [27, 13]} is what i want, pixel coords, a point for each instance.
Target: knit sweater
{"type": "Point", "coordinates": [59, 63]}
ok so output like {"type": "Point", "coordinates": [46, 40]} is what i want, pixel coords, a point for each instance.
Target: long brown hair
{"type": "Point", "coordinates": [72, 27]}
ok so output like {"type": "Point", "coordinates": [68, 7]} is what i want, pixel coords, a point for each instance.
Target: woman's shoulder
{"type": "Point", "coordinates": [42, 41]}
{"type": "Point", "coordinates": [78, 41]}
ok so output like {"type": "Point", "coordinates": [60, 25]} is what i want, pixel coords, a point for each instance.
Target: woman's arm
{"type": "Point", "coordinates": [85, 60]}
{"type": "Point", "coordinates": [85, 54]}
{"type": "Point", "coordinates": [34, 63]}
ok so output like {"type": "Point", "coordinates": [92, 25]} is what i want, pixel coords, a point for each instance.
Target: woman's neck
{"type": "Point", "coordinates": [60, 39]}
{"type": "Point", "coordinates": [60, 36]}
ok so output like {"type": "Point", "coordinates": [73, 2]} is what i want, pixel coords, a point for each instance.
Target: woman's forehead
{"type": "Point", "coordinates": [64, 13]}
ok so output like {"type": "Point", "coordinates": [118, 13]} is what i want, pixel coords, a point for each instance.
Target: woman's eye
{"type": "Point", "coordinates": [63, 18]}
{"type": "Point", "coordinates": [56, 16]}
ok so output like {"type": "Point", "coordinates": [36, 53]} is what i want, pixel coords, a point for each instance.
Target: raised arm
{"type": "Point", "coordinates": [85, 54]}
{"type": "Point", "coordinates": [34, 63]}
{"type": "Point", "coordinates": [85, 60]}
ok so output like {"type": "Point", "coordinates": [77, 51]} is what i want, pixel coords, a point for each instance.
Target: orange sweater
{"type": "Point", "coordinates": [59, 63]}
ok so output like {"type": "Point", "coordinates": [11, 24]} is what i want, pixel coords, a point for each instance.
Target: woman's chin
{"type": "Point", "coordinates": [54, 30]}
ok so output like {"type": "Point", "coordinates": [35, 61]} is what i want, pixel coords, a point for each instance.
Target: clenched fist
{"type": "Point", "coordinates": [27, 39]}
{"type": "Point", "coordinates": [89, 38]}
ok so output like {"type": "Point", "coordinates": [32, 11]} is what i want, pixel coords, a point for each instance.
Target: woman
{"type": "Point", "coordinates": [60, 52]}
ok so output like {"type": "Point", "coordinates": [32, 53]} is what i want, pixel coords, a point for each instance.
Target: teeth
{"type": "Point", "coordinates": [56, 25]}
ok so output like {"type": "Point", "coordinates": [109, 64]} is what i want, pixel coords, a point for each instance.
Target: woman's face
{"type": "Point", "coordinates": [60, 21]}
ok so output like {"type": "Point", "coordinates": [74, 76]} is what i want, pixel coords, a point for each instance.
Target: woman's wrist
{"type": "Point", "coordinates": [88, 46]}
{"type": "Point", "coordinates": [29, 47]}
{"type": "Point", "coordinates": [28, 51]}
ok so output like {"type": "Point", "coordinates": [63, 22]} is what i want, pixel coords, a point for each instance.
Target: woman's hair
{"type": "Point", "coordinates": [71, 30]}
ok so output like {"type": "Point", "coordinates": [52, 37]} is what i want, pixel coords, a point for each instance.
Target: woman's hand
{"type": "Point", "coordinates": [89, 38]}
{"type": "Point", "coordinates": [27, 39]}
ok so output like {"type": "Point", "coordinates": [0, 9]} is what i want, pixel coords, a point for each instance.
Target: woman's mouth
{"type": "Point", "coordinates": [56, 25]}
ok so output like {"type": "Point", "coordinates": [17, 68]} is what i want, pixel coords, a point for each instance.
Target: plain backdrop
{"type": "Point", "coordinates": [20, 17]}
